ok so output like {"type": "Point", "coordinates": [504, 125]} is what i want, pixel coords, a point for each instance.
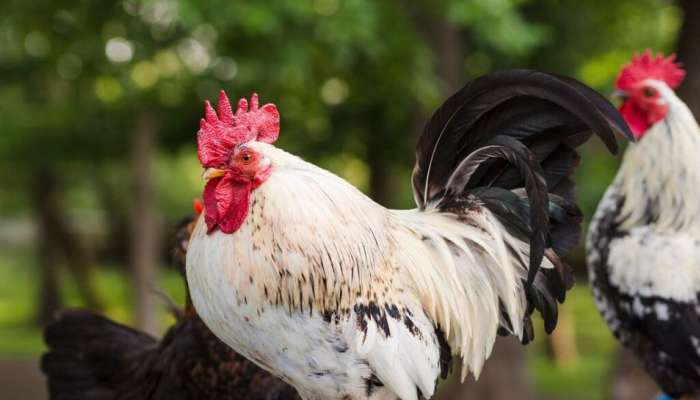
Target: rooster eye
{"type": "Point", "coordinates": [246, 158]}
{"type": "Point", "coordinates": [649, 92]}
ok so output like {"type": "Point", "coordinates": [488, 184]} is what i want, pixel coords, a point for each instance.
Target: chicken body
{"type": "Point", "coordinates": [345, 299]}
{"type": "Point", "coordinates": [644, 250]}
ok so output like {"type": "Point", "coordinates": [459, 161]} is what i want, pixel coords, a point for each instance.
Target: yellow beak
{"type": "Point", "coordinates": [211, 173]}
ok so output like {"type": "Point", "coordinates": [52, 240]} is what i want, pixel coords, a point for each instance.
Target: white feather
{"type": "Point", "coordinates": [651, 264]}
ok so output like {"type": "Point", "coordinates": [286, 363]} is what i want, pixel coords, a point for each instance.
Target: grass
{"type": "Point", "coordinates": [20, 338]}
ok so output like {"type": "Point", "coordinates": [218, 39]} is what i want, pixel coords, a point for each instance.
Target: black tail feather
{"type": "Point", "coordinates": [509, 140]}
{"type": "Point", "coordinates": [518, 103]}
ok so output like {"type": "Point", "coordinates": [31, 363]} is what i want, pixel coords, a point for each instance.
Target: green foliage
{"type": "Point", "coordinates": [498, 24]}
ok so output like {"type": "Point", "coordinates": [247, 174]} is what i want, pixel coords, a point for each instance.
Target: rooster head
{"type": "Point", "coordinates": [641, 85]}
{"type": "Point", "coordinates": [233, 167]}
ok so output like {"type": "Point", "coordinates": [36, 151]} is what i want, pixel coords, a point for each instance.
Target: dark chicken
{"type": "Point", "coordinates": [93, 358]}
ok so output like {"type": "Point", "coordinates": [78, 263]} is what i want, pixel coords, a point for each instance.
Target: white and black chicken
{"type": "Point", "coordinates": [644, 240]}
{"type": "Point", "coordinates": [342, 298]}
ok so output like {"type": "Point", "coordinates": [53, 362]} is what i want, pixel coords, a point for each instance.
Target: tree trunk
{"type": "Point", "coordinates": [689, 54]}
{"type": "Point", "coordinates": [80, 261]}
{"type": "Point", "coordinates": [379, 178]}
{"type": "Point", "coordinates": [447, 42]}
{"type": "Point", "coordinates": [118, 226]}
{"type": "Point", "coordinates": [55, 239]}
{"type": "Point", "coordinates": [47, 248]}
{"type": "Point", "coordinates": [561, 344]}
{"type": "Point", "coordinates": [144, 233]}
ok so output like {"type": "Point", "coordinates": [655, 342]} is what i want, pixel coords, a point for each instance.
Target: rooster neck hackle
{"type": "Point", "coordinates": [659, 179]}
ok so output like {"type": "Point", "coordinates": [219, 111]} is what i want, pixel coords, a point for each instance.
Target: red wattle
{"type": "Point", "coordinates": [226, 202]}
{"type": "Point", "coordinates": [238, 208]}
{"type": "Point", "coordinates": [635, 118]}
{"type": "Point", "coordinates": [211, 211]}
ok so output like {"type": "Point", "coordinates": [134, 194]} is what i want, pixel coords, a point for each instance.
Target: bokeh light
{"type": "Point", "coordinates": [119, 50]}
{"type": "Point", "coordinates": [37, 44]}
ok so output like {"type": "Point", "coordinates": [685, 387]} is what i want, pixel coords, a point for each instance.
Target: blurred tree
{"type": "Point", "coordinates": [49, 300]}
{"type": "Point", "coordinates": [561, 344]}
{"type": "Point", "coordinates": [689, 54]}
{"type": "Point", "coordinates": [592, 40]}
{"type": "Point", "coordinates": [56, 239]}
{"type": "Point", "coordinates": [144, 229]}
{"type": "Point", "coordinates": [71, 73]}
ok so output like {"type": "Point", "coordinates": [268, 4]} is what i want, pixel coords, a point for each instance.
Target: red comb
{"type": "Point", "coordinates": [221, 130]}
{"type": "Point", "coordinates": [197, 206]}
{"type": "Point", "coordinates": [646, 66]}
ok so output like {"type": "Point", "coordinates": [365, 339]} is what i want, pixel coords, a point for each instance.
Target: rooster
{"type": "Point", "coordinates": [93, 358]}
{"type": "Point", "coordinates": [344, 299]}
{"type": "Point", "coordinates": [644, 240]}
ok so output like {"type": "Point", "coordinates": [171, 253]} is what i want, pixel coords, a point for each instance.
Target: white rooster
{"type": "Point", "coordinates": [342, 298]}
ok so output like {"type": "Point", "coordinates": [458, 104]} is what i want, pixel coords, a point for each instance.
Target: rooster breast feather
{"type": "Point", "coordinates": [657, 280]}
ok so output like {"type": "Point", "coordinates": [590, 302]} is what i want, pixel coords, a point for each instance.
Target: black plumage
{"type": "Point", "coordinates": [93, 358]}
{"type": "Point", "coordinates": [507, 141]}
